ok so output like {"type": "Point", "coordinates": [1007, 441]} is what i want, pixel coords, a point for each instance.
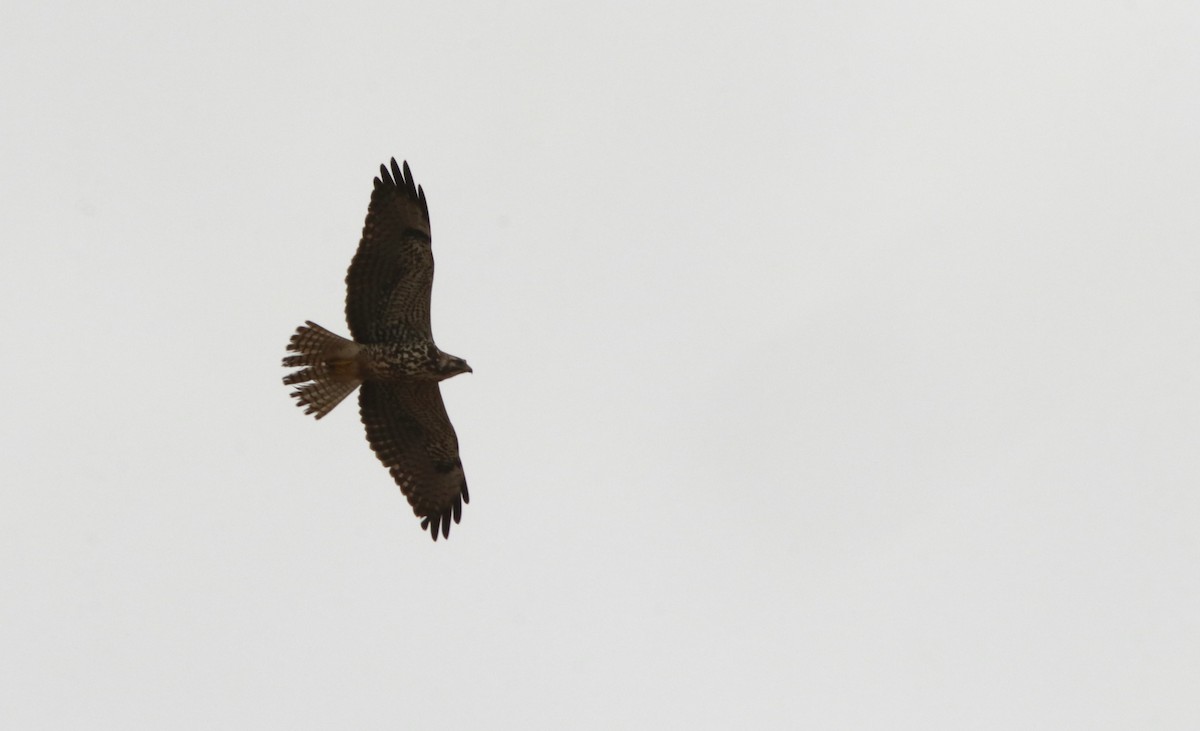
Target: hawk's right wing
{"type": "Point", "coordinates": [391, 276]}
{"type": "Point", "coordinates": [411, 434]}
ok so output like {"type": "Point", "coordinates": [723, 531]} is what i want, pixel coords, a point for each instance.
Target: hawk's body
{"type": "Point", "coordinates": [392, 356]}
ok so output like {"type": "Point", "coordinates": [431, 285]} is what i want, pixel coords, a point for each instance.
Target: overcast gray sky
{"type": "Point", "coordinates": [835, 365]}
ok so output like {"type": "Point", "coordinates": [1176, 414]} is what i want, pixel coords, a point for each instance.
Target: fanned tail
{"type": "Point", "coordinates": [328, 366]}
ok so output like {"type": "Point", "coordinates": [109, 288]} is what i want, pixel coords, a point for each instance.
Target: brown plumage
{"type": "Point", "coordinates": [392, 355]}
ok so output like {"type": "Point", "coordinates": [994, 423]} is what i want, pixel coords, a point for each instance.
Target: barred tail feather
{"type": "Point", "coordinates": [328, 366]}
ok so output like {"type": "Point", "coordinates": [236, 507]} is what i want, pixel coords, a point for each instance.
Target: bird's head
{"type": "Point", "coordinates": [451, 365]}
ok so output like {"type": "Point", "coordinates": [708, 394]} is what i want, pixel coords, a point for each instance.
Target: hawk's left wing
{"type": "Point", "coordinates": [409, 430]}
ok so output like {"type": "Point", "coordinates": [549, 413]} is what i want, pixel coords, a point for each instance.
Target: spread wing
{"type": "Point", "coordinates": [411, 434]}
{"type": "Point", "coordinates": [391, 276]}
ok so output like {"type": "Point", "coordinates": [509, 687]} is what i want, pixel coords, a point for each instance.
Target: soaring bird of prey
{"type": "Point", "coordinates": [392, 355]}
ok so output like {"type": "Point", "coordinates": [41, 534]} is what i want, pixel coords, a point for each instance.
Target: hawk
{"type": "Point", "coordinates": [392, 355]}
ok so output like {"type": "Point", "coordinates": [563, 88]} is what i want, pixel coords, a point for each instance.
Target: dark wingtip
{"type": "Point", "coordinates": [440, 523]}
{"type": "Point", "coordinates": [408, 179]}
{"type": "Point", "coordinates": [433, 524]}
{"type": "Point", "coordinates": [400, 177]}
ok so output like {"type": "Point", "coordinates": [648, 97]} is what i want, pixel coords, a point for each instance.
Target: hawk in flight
{"type": "Point", "coordinates": [392, 355]}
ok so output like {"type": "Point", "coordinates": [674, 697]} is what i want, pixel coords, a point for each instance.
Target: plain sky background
{"type": "Point", "coordinates": [835, 365]}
